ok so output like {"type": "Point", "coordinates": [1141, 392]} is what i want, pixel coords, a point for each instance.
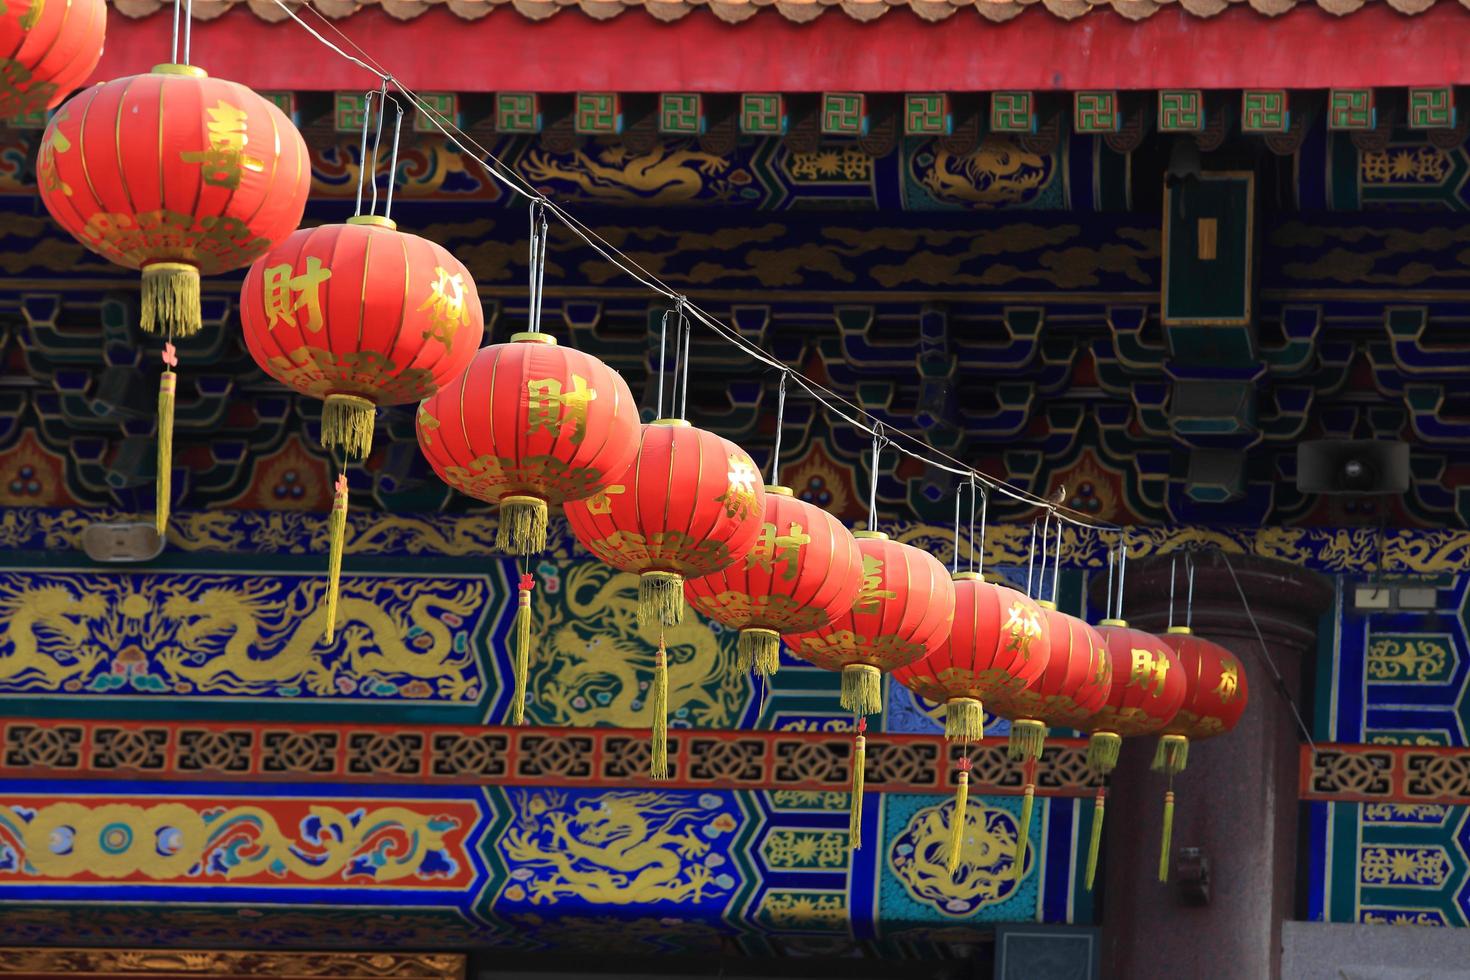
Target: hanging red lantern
{"type": "Point", "coordinates": [802, 572]}
{"type": "Point", "coordinates": [1215, 696]}
{"type": "Point", "coordinates": [47, 49]}
{"type": "Point", "coordinates": [1071, 689]}
{"type": "Point", "coordinates": [902, 612]}
{"type": "Point", "coordinates": [360, 315]}
{"type": "Point", "coordinates": [1148, 690]}
{"type": "Point", "coordinates": [177, 174]}
{"type": "Point", "coordinates": [529, 425]}
{"type": "Point", "coordinates": [689, 505]}
{"type": "Point", "coordinates": [996, 647]}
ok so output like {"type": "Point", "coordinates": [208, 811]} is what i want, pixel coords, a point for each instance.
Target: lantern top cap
{"type": "Point", "coordinates": [188, 71]}
{"type": "Point", "coordinates": [533, 337]}
{"type": "Point", "coordinates": [1179, 631]}
{"type": "Point", "coordinates": [870, 535]}
{"type": "Point", "coordinates": [1114, 622]}
{"type": "Point", "coordinates": [674, 423]}
{"type": "Point", "coordinates": [1046, 604]}
{"type": "Point", "coordinates": [967, 577]}
{"type": "Point", "coordinates": [779, 491]}
{"type": "Point", "coordinates": [373, 220]}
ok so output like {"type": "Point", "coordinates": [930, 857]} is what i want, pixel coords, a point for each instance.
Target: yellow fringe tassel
{"type": "Point", "coordinates": [522, 527]}
{"type": "Point", "coordinates": [1168, 840]}
{"type": "Point", "coordinates": [1023, 833]}
{"type": "Point", "coordinates": [759, 650]}
{"type": "Point", "coordinates": [1172, 755]}
{"type": "Point", "coordinates": [1028, 740]}
{"type": "Point", "coordinates": [347, 424]}
{"type": "Point", "coordinates": [957, 820]}
{"type": "Point", "coordinates": [167, 385]}
{"type": "Point", "coordinates": [862, 689]}
{"type": "Point", "coordinates": [964, 720]}
{"type": "Point", "coordinates": [523, 650]}
{"type": "Point", "coordinates": [658, 767]}
{"type": "Point", "coordinates": [1099, 808]}
{"type": "Point", "coordinates": [660, 599]}
{"type": "Point", "coordinates": [1102, 752]}
{"type": "Point", "coordinates": [336, 532]}
{"type": "Point", "coordinates": [855, 800]}
{"type": "Point", "coordinates": [171, 300]}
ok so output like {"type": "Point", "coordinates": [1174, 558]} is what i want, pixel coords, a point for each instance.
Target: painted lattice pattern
{"type": "Point", "coordinates": [1095, 112]}
{"type": "Point", "coordinates": [1181, 111]}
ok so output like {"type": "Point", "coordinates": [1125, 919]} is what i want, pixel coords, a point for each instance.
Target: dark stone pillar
{"type": "Point", "coordinates": [1237, 801]}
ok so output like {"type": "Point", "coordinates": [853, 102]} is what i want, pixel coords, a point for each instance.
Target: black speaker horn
{"type": "Point", "coordinates": [1352, 466]}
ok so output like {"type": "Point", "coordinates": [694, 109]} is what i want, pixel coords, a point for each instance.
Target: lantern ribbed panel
{"type": "Point", "coordinates": [169, 167]}
{"type": "Point", "coordinates": [1075, 683]}
{"type": "Point", "coordinates": [1215, 690]}
{"type": "Point", "coordinates": [1148, 683]}
{"type": "Point", "coordinates": [534, 419]}
{"type": "Point", "coordinates": [902, 612]}
{"type": "Point", "coordinates": [47, 48]}
{"type": "Point", "coordinates": [803, 570]}
{"type": "Point", "coordinates": [690, 504]}
{"type": "Point", "coordinates": [996, 645]}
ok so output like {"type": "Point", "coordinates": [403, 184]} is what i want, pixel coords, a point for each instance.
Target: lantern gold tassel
{"type": "Point", "coordinates": [1099, 808]}
{"type": "Point", "coordinates": [759, 650]}
{"type": "Point", "coordinates": [171, 300]}
{"type": "Point", "coordinates": [1023, 831]}
{"type": "Point", "coordinates": [964, 720]}
{"type": "Point", "coordinates": [523, 649]}
{"type": "Point", "coordinates": [347, 424]}
{"type": "Point", "coordinates": [958, 817]}
{"type": "Point", "coordinates": [862, 689]}
{"type": "Point", "coordinates": [336, 532]}
{"type": "Point", "coordinates": [168, 384]}
{"type": "Point", "coordinates": [659, 766]}
{"type": "Point", "coordinates": [1028, 738]}
{"type": "Point", "coordinates": [522, 527]}
{"type": "Point", "coordinates": [855, 799]}
{"type": "Point", "coordinates": [1102, 752]}
{"type": "Point", "coordinates": [1172, 755]}
{"type": "Point", "coordinates": [1168, 840]}
{"type": "Point", "coordinates": [660, 599]}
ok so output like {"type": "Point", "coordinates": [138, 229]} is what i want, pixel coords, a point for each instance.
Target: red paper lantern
{"type": "Point", "coordinates": [49, 48]}
{"type": "Point", "coordinates": [177, 174]}
{"type": "Point", "coordinates": [802, 572]}
{"type": "Point", "coordinates": [902, 613]}
{"type": "Point", "coordinates": [1215, 697]}
{"type": "Point", "coordinates": [1148, 690]}
{"type": "Point", "coordinates": [690, 505]}
{"type": "Point", "coordinates": [530, 424]}
{"type": "Point", "coordinates": [995, 647]}
{"type": "Point", "coordinates": [360, 315]}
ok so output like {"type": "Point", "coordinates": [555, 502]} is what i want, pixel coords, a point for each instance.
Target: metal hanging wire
{"type": "Point", "coordinates": [367, 116]}
{"type": "Point", "coordinates": [780, 426]}
{"type": "Point", "coordinates": [392, 161]}
{"type": "Point", "coordinates": [1056, 565]}
{"type": "Point", "coordinates": [959, 498]}
{"type": "Point", "coordinates": [1031, 559]}
{"type": "Point", "coordinates": [538, 269]}
{"type": "Point", "coordinates": [879, 441]}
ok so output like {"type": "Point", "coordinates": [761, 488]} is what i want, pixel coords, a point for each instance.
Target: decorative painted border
{"type": "Point", "coordinates": [1340, 773]}
{"type": "Point", "coordinates": [1325, 549]}
{"type": "Point", "coordinates": [46, 963]}
{"type": "Point", "coordinates": [530, 756]}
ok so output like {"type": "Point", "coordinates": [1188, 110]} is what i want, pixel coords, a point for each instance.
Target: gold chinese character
{"type": "Point", "coordinates": [1103, 676]}
{"type": "Point", "coordinates": [550, 409]}
{"type": "Point", "coordinates": [56, 142]}
{"type": "Point", "coordinates": [872, 590]}
{"type": "Point", "coordinates": [1229, 684]}
{"type": "Point", "coordinates": [446, 307]}
{"type": "Point", "coordinates": [1148, 669]}
{"type": "Point", "coordinates": [281, 288]}
{"type": "Point", "coordinates": [427, 424]}
{"type": "Point", "coordinates": [772, 547]}
{"type": "Point", "coordinates": [600, 502]}
{"type": "Point", "coordinates": [223, 162]}
{"type": "Point", "coordinates": [1023, 627]}
{"type": "Point", "coordinates": [739, 497]}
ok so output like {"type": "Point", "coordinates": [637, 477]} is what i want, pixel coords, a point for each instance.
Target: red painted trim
{"type": "Point", "coordinates": [1305, 48]}
{"type": "Point", "coordinates": [465, 755]}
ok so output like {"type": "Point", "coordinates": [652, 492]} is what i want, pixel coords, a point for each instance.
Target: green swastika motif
{"type": "Point", "coordinates": [1096, 112]}
{"type": "Point", "coordinates": [1352, 108]}
{"type": "Point", "coordinates": [1264, 111]}
{"type": "Point", "coordinates": [1012, 112]}
{"type": "Point", "coordinates": [844, 114]}
{"type": "Point", "coordinates": [927, 114]}
{"type": "Point", "coordinates": [441, 107]}
{"type": "Point", "coordinates": [763, 113]}
{"type": "Point", "coordinates": [348, 110]}
{"type": "Point", "coordinates": [681, 113]}
{"type": "Point", "coordinates": [598, 113]}
{"type": "Point", "coordinates": [517, 112]}
{"type": "Point", "coordinates": [1432, 108]}
{"type": "Point", "coordinates": [1181, 111]}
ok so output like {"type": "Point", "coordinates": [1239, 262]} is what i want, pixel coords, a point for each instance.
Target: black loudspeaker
{"type": "Point", "coordinates": [1352, 466]}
